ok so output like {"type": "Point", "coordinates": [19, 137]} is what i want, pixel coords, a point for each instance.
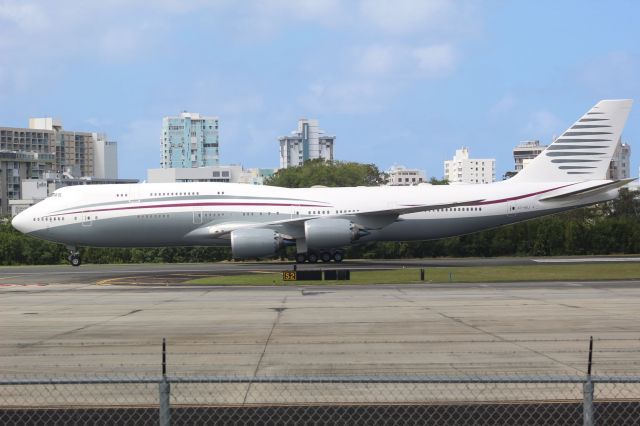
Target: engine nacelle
{"type": "Point", "coordinates": [251, 243]}
{"type": "Point", "coordinates": [330, 233]}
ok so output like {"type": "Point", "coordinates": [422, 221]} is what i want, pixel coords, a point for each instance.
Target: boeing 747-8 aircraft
{"type": "Point", "coordinates": [256, 221]}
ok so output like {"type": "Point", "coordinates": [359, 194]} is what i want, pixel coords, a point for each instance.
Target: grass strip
{"type": "Point", "coordinates": [470, 274]}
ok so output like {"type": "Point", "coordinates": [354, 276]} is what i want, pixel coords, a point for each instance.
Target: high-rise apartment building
{"type": "Point", "coordinates": [105, 154]}
{"type": "Point", "coordinates": [308, 142]}
{"type": "Point", "coordinates": [620, 166]}
{"type": "Point", "coordinates": [525, 152]}
{"type": "Point", "coordinates": [189, 140]}
{"type": "Point", "coordinates": [463, 169]}
{"type": "Point", "coordinates": [45, 147]}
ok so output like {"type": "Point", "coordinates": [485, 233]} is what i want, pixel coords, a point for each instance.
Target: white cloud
{"type": "Point", "coordinates": [377, 59]}
{"type": "Point", "coordinates": [436, 60]}
{"type": "Point", "coordinates": [405, 61]}
{"type": "Point", "coordinates": [351, 97]}
{"type": "Point", "coordinates": [543, 124]}
{"type": "Point", "coordinates": [22, 15]}
{"type": "Point", "coordinates": [406, 16]}
{"type": "Point", "coordinates": [613, 74]}
{"type": "Point", "coordinates": [505, 105]}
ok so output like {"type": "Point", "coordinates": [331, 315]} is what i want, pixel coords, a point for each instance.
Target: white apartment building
{"type": "Point", "coordinates": [462, 169]}
{"type": "Point", "coordinates": [105, 154]}
{"type": "Point", "coordinates": [402, 176]}
{"type": "Point", "coordinates": [308, 142]}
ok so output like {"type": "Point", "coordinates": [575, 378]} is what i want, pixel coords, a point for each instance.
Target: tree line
{"type": "Point", "coordinates": [608, 228]}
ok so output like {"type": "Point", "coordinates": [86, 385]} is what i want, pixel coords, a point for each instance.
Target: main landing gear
{"type": "Point", "coordinates": [325, 256]}
{"type": "Point", "coordinates": [74, 256]}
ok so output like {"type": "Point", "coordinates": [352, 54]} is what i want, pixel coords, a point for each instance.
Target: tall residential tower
{"type": "Point", "coordinates": [308, 142]}
{"type": "Point", "coordinates": [189, 140]}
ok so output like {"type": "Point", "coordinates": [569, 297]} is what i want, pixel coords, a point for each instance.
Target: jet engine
{"type": "Point", "coordinates": [331, 233]}
{"type": "Point", "coordinates": [252, 243]}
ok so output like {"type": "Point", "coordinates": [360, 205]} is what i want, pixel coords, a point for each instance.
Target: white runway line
{"type": "Point", "coordinates": [589, 260]}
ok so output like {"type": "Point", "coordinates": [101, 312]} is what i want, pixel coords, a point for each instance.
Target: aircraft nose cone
{"type": "Point", "coordinates": [20, 222]}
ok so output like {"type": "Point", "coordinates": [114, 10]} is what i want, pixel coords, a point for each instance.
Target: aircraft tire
{"type": "Point", "coordinates": [75, 260]}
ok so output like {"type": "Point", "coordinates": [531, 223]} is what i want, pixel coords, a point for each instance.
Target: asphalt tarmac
{"type": "Point", "coordinates": [55, 321]}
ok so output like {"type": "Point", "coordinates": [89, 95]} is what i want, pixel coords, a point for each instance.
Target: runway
{"type": "Point", "coordinates": [79, 328]}
{"type": "Point", "coordinates": [171, 274]}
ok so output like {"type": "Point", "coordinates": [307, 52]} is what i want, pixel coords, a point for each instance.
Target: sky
{"type": "Point", "coordinates": [402, 82]}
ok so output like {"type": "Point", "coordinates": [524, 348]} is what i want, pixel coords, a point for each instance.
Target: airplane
{"type": "Point", "coordinates": [257, 221]}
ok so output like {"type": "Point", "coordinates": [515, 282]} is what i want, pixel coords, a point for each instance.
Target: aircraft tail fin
{"type": "Point", "coordinates": [584, 150]}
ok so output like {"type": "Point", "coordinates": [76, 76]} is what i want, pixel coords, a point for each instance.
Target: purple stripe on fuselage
{"type": "Point", "coordinates": [520, 197]}
{"type": "Point", "coordinates": [190, 205]}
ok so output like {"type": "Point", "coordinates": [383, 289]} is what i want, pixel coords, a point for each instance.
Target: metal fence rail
{"type": "Point", "coordinates": [182, 400]}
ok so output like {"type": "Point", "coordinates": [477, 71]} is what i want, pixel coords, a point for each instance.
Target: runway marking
{"type": "Point", "coordinates": [21, 285]}
{"type": "Point", "coordinates": [149, 280]}
{"type": "Point", "coordinates": [12, 276]}
{"type": "Point", "coordinates": [589, 260]}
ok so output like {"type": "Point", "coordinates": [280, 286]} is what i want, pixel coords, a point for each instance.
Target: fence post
{"type": "Point", "coordinates": [165, 390]}
{"type": "Point", "coordinates": [587, 391]}
{"type": "Point", "coordinates": [421, 274]}
{"type": "Point", "coordinates": [587, 408]}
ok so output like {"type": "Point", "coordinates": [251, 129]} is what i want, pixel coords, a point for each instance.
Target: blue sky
{"type": "Point", "coordinates": [398, 82]}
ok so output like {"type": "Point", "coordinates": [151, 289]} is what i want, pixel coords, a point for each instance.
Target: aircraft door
{"type": "Point", "coordinates": [86, 219]}
{"type": "Point", "coordinates": [511, 208]}
{"type": "Point", "coordinates": [197, 216]}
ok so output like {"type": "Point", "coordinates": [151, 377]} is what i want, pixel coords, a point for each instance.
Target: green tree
{"type": "Point", "coordinates": [328, 173]}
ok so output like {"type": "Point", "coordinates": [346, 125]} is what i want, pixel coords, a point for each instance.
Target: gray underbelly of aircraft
{"type": "Point", "coordinates": [150, 231]}
{"type": "Point", "coordinates": [435, 228]}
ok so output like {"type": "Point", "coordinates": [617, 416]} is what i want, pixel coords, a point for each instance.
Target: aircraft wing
{"type": "Point", "coordinates": [372, 219]}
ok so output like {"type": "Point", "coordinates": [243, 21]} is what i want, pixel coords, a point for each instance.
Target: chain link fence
{"type": "Point", "coordinates": [402, 400]}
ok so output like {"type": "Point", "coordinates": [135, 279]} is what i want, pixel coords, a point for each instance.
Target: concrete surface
{"type": "Point", "coordinates": [451, 329]}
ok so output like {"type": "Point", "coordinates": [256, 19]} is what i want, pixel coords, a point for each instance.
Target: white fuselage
{"type": "Point", "coordinates": [179, 214]}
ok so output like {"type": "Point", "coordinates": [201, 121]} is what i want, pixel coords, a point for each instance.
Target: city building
{"type": "Point", "coordinates": [462, 169]}
{"type": "Point", "coordinates": [308, 142]}
{"type": "Point", "coordinates": [189, 140]}
{"type": "Point", "coordinates": [45, 147]}
{"type": "Point", "coordinates": [105, 155]}
{"type": "Point", "coordinates": [402, 176]}
{"type": "Point", "coordinates": [620, 166]}
{"type": "Point", "coordinates": [525, 152]}
{"type": "Point", "coordinates": [16, 166]}
{"type": "Point", "coordinates": [227, 174]}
